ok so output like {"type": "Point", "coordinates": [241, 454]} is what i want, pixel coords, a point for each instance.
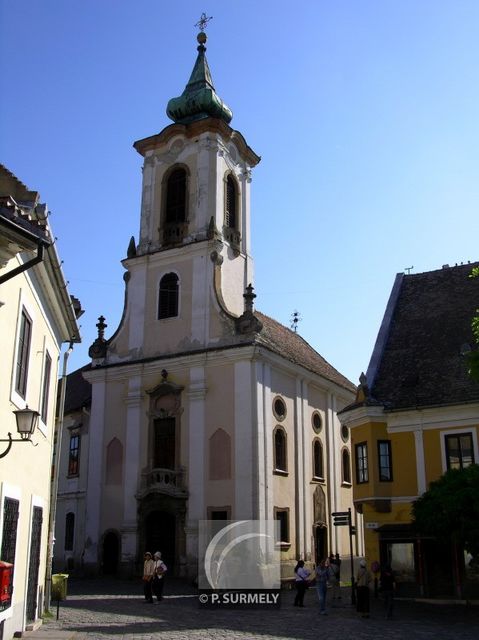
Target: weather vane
{"type": "Point", "coordinates": [203, 22]}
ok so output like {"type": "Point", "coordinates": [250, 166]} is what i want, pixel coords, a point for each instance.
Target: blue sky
{"type": "Point", "coordinates": [365, 114]}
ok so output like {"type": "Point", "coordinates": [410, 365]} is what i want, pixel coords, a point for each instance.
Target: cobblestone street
{"type": "Point", "coordinates": [114, 610]}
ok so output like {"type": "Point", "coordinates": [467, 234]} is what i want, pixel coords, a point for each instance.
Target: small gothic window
{"type": "Point", "coordinates": [280, 457]}
{"type": "Point", "coordinates": [346, 467]}
{"type": "Point", "coordinates": [176, 197]}
{"type": "Point", "coordinates": [231, 203]}
{"type": "Point", "coordinates": [168, 299]}
{"type": "Point", "coordinates": [318, 459]}
{"type": "Point", "coordinates": [69, 531]}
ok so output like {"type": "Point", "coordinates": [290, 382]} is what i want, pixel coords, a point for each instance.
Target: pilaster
{"type": "Point", "coordinates": [196, 460]}
{"type": "Point", "coordinates": [129, 528]}
{"type": "Point", "coordinates": [243, 441]}
{"type": "Point", "coordinates": [95, 475]}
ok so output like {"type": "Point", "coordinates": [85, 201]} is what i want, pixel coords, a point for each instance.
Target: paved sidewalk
{"type": "Point", "coordinates": [114, 610]}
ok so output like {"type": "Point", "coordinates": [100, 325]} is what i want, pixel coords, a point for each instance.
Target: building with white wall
{"type": "Point", "coordinates": [37, 316]}
{"type": "Point", "coordinates": [200, 408]}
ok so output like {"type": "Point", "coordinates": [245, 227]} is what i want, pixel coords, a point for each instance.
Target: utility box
{"type": "Point", "coordinates": [59, 586]}
{"type": "Point", "coordinates": [6, 578]}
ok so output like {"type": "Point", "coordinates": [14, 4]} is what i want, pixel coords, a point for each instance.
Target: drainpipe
{"type": "Point", "coordinates": [56, 473]}
{"type": "Point", "coordinates": [27, 265]}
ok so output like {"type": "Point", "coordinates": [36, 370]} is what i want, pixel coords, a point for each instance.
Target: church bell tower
{"type": "Point", "coordinates": [193, 260]}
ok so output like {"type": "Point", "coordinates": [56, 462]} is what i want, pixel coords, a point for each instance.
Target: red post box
{"type": "Point", "coordinates": [6, 577]}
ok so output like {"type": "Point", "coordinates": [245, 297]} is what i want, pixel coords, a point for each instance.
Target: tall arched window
{"type": "Point", "coordinates": [169, 295]}
{"type": "Point", "coordinates": [346, 463]}
{"type": "Point", "coordinates": [280, 450]}
{"type": "Point", "coordinates": [69, 531]}
{"type": "Point", "coordinates": [176, 197]}
{"type": "Point", "coordinates": [231, 203]}
{"type": "Point", "coordinates": [318, 471]}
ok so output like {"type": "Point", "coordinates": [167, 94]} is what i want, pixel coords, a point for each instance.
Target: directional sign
{"type": "Point", "coordinates": [341, 513]}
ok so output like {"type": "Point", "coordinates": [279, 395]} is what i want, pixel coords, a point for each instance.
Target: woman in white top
{"type": "Point", "coordinates": [301, 578]}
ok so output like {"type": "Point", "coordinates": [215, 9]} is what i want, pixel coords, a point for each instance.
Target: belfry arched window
{"type": "Point", "coordinates": [176, 197]}
{"type": "Point", "coordinates": [231, 204]}
{"type": "Point", "coordinates": [169, 296]}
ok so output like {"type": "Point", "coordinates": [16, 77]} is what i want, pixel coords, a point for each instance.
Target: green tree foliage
{"type": "Point", "coordinates": [449, 511]}
{"type": "Point", "coordinates": [474, 355]}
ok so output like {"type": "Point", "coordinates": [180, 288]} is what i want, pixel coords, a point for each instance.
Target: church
{"type": "Point", "coordinates": [198, 407]}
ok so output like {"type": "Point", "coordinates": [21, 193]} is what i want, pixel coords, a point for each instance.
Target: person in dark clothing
{"type": "Point", "coordinates": [363, 578]}
{"type": "Point", "coordinates": [387, 586]}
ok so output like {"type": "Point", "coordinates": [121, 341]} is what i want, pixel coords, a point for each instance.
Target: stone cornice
{"type": "Point", "coordinates": [359, 415]}
{"type": "Point", "coordinates": [298, 370]}
{"type": "Point", "coordinates": [206, 125]}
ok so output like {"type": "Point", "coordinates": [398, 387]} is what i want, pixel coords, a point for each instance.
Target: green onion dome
{"type": "Point", "coordinates": [199, 99]}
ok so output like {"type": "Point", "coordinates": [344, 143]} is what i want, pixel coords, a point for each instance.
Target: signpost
{"type": "Point", "coordinates": [343, 519]}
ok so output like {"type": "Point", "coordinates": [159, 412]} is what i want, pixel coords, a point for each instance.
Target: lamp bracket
{"type": "Point", "coordinates": [11, 440]}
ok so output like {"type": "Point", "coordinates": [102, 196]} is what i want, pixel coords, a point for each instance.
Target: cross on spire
{"type": "Point", "coordinates": [203, 22]}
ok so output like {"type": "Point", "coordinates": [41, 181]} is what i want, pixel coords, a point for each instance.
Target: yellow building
{"type": "Point", "coordinates": [416, 415]}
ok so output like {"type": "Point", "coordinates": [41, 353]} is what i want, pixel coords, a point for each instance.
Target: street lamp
{"type": "Point", "coordinates": [26, 423]}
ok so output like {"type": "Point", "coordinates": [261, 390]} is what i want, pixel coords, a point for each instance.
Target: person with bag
{"type": "Point", "coordinates": [301, 579]}
{"type": "Point", "coordinates": [363, 579]}
{"type": "Point", "coordinates": [148, 574]}
{"type": "Point", "coordinates": [159, 577]}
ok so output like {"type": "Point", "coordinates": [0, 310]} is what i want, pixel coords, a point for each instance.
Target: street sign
{"type": "Point", "coordinates": [341, 513]}
{"type": "Point", "coordinates": [341, 520]}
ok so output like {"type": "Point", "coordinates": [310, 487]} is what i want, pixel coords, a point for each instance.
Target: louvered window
{"type": "Point", "coordinates": [46, 387]}
{"type": "Point", "coordinates": [34, 564]}
{"type": "Point", "coordinates": [176, 197]}
{"type": "Point", "coordinates": [231, 203]}
{"type": "Point", "coordinates": [23, 354]}
{"type": "Point", "coordinates": [169, 295]}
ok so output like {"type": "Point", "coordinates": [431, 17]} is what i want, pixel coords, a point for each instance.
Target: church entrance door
{"type": "Point", "coordinates": [160, 535]}
{"type": "Point", "coordinates": [111, 553]}
{"type": "Point", "coordinates": [321, 545]}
